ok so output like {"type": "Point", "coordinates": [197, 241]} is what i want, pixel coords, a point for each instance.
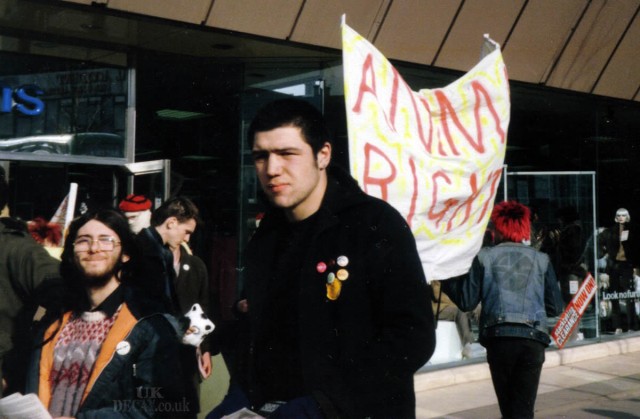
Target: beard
{"type": "Point", "coordinates": [97, 279]}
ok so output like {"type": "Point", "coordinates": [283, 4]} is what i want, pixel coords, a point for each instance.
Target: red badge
{"type": "Point", "coordinates": [321, 267]}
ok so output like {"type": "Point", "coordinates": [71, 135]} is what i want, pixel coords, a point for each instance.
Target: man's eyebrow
{"type": "Point", "coordinates": [100, 236]}
{"type": "Point", "coordinates": [276, 150]}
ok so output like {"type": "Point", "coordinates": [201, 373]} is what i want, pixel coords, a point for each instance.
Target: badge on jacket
{"type": "Point", "coordinates": [336, 270]}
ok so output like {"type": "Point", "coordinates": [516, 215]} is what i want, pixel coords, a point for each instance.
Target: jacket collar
{"type": "Point", "coordinates": [13, 226]}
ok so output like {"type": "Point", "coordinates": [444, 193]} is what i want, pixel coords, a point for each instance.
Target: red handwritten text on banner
{"type": "Point", "coordinates": [436, 155]}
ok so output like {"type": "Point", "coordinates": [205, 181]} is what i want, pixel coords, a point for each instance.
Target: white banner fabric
{"type": "Point", "coordinates": [436, 155]}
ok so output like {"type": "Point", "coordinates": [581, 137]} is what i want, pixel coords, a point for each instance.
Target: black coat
{"type": "Point", "coordinates": [631, 246]}
{"type": "Point", "coordinates": [154, 269]}
{"type": "Point", "coordinates": [359, 352]}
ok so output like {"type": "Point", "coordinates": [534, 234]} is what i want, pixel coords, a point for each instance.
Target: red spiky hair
{"type": "Point", "coordinates": [512, 221]}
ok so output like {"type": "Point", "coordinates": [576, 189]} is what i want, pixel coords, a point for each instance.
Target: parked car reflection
{"type": "Point", "coordinates": [82, 144]}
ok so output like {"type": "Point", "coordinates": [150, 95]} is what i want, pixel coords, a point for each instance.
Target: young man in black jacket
{"type": "Point", "coordinates": [337, 299]}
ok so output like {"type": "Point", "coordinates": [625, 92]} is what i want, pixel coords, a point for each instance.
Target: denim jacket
{"type": "Point", "coordinates": [517, 287]}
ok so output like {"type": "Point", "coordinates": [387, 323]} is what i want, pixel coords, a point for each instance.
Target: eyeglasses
{"type": "Point", "coordinates": [105, 244]}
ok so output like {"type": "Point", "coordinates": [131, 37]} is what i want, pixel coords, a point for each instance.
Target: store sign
{"type": "Point", "coordinates": [573, 312]}
{"type": "Point", "coordinates": [23, 100]}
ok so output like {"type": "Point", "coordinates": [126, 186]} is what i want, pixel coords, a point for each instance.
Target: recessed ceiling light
{"type": "Point", "coordinates": [178, 115]}
{"type": "Point", "coordinates": [195, 157]}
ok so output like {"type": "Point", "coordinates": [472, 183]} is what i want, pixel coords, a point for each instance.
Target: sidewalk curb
{"type": "Point", "coordinates": [426, 380]}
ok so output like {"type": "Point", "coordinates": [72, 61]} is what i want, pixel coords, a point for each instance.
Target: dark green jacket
{"type": "Point", "coordinates": [29, 277]}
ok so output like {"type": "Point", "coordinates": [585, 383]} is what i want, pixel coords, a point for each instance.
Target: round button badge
{"type": "Point", "coordinates": [342, 274]}
{"type": "Point", "coordinates": [343, 261]}
{"type": "Point", "coordinates": [123, 347]}
{"type": "Point", "coordinates": [331, 277]}
{"type": "Point", "coordinates": [321, 267]}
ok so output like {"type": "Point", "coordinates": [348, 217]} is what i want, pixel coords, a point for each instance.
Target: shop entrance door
{"type": "Point", "coordinates": [148, 178]}
{"type": "Point", "coordinates": [564, 226]}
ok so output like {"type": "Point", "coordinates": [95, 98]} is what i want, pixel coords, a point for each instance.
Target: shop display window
{"type": "Point", "coordinates": [62, 110]}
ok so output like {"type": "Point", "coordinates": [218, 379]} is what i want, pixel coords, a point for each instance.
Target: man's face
{"type": "Point", "coordinates": [292, 177]}
{"type": "Point", "coordinates": [97, 251]}
{"type": "Point", "coordinates": [178, 232]}
{"type": "Point", "coordinates": [138, 220]}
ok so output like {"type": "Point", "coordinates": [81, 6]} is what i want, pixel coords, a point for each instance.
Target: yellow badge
{"type": "Point", "coordinates": [333, 290]}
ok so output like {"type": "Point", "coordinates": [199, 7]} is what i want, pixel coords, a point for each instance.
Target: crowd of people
{"type": "Point", "coordinates": [336, 308]}
{"type": "Point", "coordinates": [336, 301]}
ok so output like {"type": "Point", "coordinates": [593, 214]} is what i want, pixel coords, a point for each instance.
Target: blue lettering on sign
{"type": "Point", "coordinates": [25, 97]}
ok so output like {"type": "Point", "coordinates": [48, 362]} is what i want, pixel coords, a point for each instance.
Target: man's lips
{"type": "Point", "coordinates": [275, 188]}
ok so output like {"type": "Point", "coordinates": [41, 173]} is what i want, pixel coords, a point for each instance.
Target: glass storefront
{"type": "Point", "coordinates": [65, 112]}
{"type": "Point", "coordinates": [66, 120]}
{"type": "Point", "coordinates": [564, 217]}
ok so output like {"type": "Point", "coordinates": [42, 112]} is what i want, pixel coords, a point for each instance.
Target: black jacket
{"type": "Point", "coordinates": [154, 270]}
{"type": "Point", "coordinates": [630, 245]}
{"type": "Point", "coordinates": [359, 352]}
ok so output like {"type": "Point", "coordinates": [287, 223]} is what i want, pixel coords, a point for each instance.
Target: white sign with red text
{"type": "Point", "coordinates": [436, 155]}
{"type": "Point", "coordinates": [574, 311]}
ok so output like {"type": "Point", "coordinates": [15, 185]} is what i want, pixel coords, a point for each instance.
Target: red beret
{"type": "Point", "coordinates": [133, 203]}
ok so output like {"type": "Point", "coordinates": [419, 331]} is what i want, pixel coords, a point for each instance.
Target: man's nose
{"type": "Point", "coordinates": [274, 165]}
{"type": "Point", "coordinates": [94, 246]}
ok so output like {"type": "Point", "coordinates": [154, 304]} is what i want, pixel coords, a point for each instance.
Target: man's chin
{"type": "Point", "coordinates": [98, 280]}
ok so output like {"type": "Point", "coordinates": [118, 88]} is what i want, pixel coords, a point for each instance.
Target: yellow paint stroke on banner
{"type": "Point", "coordinates": [436, 155]}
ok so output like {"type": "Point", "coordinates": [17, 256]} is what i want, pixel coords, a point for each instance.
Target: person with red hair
{"type": "Point", "coordinates": [518, 289]}
{"type": "Point", "coordinates": [45, 232]}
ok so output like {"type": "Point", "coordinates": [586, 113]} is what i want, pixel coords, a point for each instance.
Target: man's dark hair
{"type": "Point", "coordinates": [4, 189]}
{"type": "Point", "coordinates": [180, 207]}
{"type": "Point", "coordinates": [117, 222]}
{"type": "Point", "coordinates": [295, 113]}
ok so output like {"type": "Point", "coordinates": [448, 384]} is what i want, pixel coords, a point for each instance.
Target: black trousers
{"type": "Point", "coordinates": [621, 280]}
{"type": "Point", "coordinates": [515, 365]}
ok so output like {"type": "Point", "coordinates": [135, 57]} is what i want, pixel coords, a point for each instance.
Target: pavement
{"type": "Point", "coordinates": [591, 379]}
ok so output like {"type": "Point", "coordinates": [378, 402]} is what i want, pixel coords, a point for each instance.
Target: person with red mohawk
{"type": "Point", "coordinates": [518, 289]}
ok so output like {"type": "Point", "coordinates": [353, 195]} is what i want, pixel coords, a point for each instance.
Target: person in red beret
{"type": "Point", "coordinates": [137, 209]}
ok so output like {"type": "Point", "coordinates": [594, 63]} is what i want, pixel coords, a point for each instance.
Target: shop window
{"type": "Point", "coordinates": [64, 109]}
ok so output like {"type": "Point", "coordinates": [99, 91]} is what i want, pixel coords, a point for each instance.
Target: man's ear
{"type": "Point", "coordinates": [170, 222]}
{"type": "Point", "coordinates": [125, 258]}
{"type": "Point", "coordinates": [324, 156]}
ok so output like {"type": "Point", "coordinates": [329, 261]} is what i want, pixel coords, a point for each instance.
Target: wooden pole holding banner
{"type": "Point", "coordinates": [71, 205]}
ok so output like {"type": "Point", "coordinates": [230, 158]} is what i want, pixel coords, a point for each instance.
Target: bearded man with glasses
{"type": "Point", "coordinates": [112, 353]}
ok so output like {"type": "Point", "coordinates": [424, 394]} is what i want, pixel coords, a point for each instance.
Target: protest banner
{"type": "Point", "coordinates": [436, 155]}
{"type": "Point", "coordinates": [65, 212]}
{"type": "Point", "coordinates": [574, 311]}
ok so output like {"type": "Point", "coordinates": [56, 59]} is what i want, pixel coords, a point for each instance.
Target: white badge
{"type": "Point", "coordinates": [123, 347]}
{"type": "Point", "coordinates": [624, 236]}
{"type": "Point", "coordinates": [343, 261]}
